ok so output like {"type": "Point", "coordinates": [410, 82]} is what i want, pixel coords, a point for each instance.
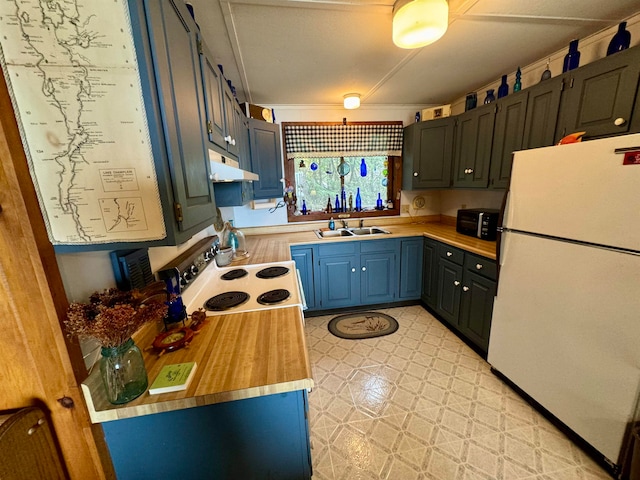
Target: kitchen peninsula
{"type": "Point", "coordinates": [245, 413]}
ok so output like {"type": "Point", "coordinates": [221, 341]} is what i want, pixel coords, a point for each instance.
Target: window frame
{"type": "Point", "coordinates": [393, 188]}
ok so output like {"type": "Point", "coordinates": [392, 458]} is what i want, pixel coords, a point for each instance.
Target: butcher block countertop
{"type": "Point", "coordinates": [265, 246]}
{"type": "Point", "coordinates": [238, 356]}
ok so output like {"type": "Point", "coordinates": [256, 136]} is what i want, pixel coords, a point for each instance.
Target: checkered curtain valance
{"type": "Point", "coordinates": [305, 141]}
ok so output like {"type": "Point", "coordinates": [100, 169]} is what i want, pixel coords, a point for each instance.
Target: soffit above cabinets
{"type": "Point", "coordinates": [309, 52]}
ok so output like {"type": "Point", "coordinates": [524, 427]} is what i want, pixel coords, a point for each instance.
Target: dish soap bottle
{"type": "Point", "coordinates": [332, 224]}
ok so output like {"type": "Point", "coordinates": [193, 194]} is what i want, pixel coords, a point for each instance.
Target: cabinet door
{"type": "Point", "coordinates": [449, 290]}
{"type": "Point", "coordinates": [599, 97]}
{"type": "Point", "coordinates": [507, 136]}
{"type": "Point", "coordinates": [427, 154]}
{"type": "Point", "coordinates": [176, 62]}
{"type": "Point", "coordinates": [266, 158]}
{"type": "Point", "coordinates": [339, 281]}
{"type": "Point", "coordinates": [430, 272]}
{"type": "Point", "coordinates": [476, 308]}
{"type": "Point", "coordinates": [542, 113]}
{"type": "Point", "coordinates": [411, 268]}
{"type": "Point", "coordinates": [303, 256]}
{"type": "Point", "coordinates": [231, 132]}
{"type": "Point", "coordinates": [212, 81]}
{"type": "Point", "coordinates": [472, 147]}
{"type": "Point", "coordinates": [377, 278]}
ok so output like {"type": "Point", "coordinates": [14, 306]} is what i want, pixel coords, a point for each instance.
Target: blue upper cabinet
{"type": "Point", "coordinates": [212, 82]}
{"type": "Point", "coordinates": [166, 42]}
{"type": "Point", "coordinates": [266, 158]}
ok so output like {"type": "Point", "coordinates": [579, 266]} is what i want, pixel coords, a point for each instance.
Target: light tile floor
{"type": "Point", "coordinates": [420, 404]}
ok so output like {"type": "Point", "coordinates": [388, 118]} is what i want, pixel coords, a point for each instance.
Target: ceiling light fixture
{"type": "Point", "coordinates": [351, 101]}
{"type": "Point", "coordinates": [417, 23]}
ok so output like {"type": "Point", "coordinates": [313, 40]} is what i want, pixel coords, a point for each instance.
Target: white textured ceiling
{"type": "Point", "coordinates": [310, 52]}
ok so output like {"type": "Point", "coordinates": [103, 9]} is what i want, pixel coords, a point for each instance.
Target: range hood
{"type": "Point", "coordinates": [225, 169]}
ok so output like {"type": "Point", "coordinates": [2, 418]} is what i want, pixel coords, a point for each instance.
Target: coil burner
{"type": "Point", "coordinates": [274, 296]}
{"type": "Point", "coordinates": [226, 301]}
{"type": "Point", "coordinates": [234, 274]}
{"type": "Point", "coordinates": [272, 272]}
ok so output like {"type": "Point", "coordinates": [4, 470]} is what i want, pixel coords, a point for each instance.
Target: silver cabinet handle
{"type": "Point", "coordinates": [415, 174]}
{"type": "Point", "coordinates": [364, 269]}
{"type": "Point", "coordinates": [353, 270]}
{"type": "Point", "coordinates": [479, 266]}
{"type": "Point", "coordinates": [465, 288]}
{"type": "Point", "coordinates": [456, 283]}
{"type": "Point", "coordinates": [618, 122]}
{"type": "Point", "coordinates": [449, 254]}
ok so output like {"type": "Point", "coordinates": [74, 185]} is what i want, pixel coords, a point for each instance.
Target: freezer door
{"type": "Point", "coordinates": [580, 191]}
{"type": "Point", "coordinates": [565, 329]}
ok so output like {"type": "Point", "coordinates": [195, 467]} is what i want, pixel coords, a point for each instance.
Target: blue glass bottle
{"type": "Point", "coordinates": [358, 200]}
{"type": "Point", "coordinates": [363, 168]}
{"type": "Point", "coordinates": [503, 89]}
{"type": "Point", "coordinates": [620, 41]}
{"type": "Point", "coordinates": [343, 199]}
{"type": "Point", "coordinates": [571, 59]}
{"type": "Point", "coordinates": [304, 207]}
{"type": "Point", "coordinates": [337, 205]}
{"type": "Point", "coordinates": [379, 203]}
{"type": "Point", "coordinates": [518, 85]}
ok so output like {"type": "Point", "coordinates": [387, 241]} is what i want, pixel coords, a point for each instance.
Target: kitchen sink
{"type": "Point", "coordinates": [368, 231]}
{"type": "Point", "coordinates": [350, 232]}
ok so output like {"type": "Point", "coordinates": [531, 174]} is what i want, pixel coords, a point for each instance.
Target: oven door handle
{"type": "Point", "coordinates": [301, 290]}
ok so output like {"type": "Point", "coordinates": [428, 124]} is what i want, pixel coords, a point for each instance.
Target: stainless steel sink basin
{"type": "Point", "coordinates": [341, 232]}
{"type": "Point", "coordinates": [368, 231]}
{"type": "Point", "coordinates": [350, 232]}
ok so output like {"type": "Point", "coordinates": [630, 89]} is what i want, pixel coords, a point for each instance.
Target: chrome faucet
{"type": "Point", "coordinates": [345, 224]}
{"type": "Point", "coordinates": [361, 222]}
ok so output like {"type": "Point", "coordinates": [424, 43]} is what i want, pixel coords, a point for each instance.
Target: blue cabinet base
{"type": "Point", "coordinates": [256, 438]}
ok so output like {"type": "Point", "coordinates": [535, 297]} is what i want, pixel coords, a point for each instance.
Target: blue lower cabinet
{"type": "Point", "coordinates": [304, 256]}
{"type": "Point", "coordinates": [411, 250]}
{"type": "Point", "coordinates": [256, 438]}
{"type": "Point", "coordinates": [339, 281]}
{"type": "Point", "coordinates": [377, 278]}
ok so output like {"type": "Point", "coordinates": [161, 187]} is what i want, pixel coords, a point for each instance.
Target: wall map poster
{"type": "Point", "coordinates": [74, 82]}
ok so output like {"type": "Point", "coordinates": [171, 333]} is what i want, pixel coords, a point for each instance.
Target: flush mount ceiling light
{"type": "Point", "coordinates": [417, 23]}
{"type": "Point", "coordinates": [351, 101]}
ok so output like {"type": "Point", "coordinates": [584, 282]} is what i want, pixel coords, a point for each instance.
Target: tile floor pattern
{"type": "Point", "coordinates": [420, 404]}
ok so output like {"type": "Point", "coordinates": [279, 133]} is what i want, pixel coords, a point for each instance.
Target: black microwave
{"type": "Point", "coordinates": [478, 222]}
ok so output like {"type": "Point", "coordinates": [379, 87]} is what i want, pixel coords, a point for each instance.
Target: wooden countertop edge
{"type": "Point", "coordinates": [124, 411]}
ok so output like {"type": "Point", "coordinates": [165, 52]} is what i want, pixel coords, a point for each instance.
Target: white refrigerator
{"type": "Point", "coordinates": [566, 319]}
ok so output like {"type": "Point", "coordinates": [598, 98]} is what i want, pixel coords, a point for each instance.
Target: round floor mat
{"type": "Point", "coordinates": [354, 326]}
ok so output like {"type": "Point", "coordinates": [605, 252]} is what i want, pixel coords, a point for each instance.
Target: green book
{"type": "Point", "coordinates": [173, 378]}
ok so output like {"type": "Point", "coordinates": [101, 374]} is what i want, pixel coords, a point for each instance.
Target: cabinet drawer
{"type": "Point", "coordinates": [370, 246]}
{"type": "Point", "coordinates": [342, 248]}
{"type": "Point", "coordinates": [481, 265]}
{"type": "Point", "coordinates": [451, 253]}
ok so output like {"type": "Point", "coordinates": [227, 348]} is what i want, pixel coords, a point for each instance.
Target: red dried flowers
{"type": "Point", "coordinates": [112, 316]}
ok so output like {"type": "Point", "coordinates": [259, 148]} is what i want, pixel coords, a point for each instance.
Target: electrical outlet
{"type": "Point", "coordinates": [464, 205]}
{"type": "Point", "coordinates": [404, 209]}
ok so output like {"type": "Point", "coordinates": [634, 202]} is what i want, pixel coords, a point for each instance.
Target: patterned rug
{"type": "Point", "coordinates": [354, 326]}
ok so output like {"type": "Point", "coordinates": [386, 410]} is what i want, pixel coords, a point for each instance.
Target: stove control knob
{"type": "Point", "coordinates": [208, 256]}
{"type": "Point", "coordinates": [185, 278]}
{"type": "Point", "coordinates": [194, 270]}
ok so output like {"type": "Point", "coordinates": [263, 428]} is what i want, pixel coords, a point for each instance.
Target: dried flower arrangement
{"type": "Point", "coordinates": [112, 316]}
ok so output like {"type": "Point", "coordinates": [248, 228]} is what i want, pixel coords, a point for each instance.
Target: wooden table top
{"type": "Point", "coordinates": [238, 356]}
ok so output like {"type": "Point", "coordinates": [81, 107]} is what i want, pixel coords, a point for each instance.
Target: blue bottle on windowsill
{"type": "Point", "coordinates": [337, 205]}
{"type": "Point", "coordinates": [358, 201]}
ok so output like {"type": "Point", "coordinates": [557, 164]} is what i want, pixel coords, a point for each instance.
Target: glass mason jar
{"type": "Point", "coordinates": [123, 372]}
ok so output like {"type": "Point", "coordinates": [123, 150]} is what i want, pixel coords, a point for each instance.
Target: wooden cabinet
{"type": "Point", "coordinates": [460, 287]}
{"type": "Point", "coordinates": [166, 42]}
{"type": "Point", "coordinates": [599, 98]}
{"type": "Point", "coordinates": [357, 273]}
{"type": "Point", "coordinates": [472, 147]}
{"type": "Point", "coordinates": [508, 132]}
{"type": "Point", "coordinates": [304, 257]}
{"type": "Point", "coordinates": [411, 250]}
{"type": "Point", "coordinates": [427, 154]}
{"type": "Point", "coordinates": [542, 113]}
{"type": "Point", "coordinates": [430, 272]}
{"type": "Point", "coordinates": [266, 159]}
{"type": "Point", "coordinates": [260, 437]}
{"type": "Point", "coordinates": [478, 293]}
